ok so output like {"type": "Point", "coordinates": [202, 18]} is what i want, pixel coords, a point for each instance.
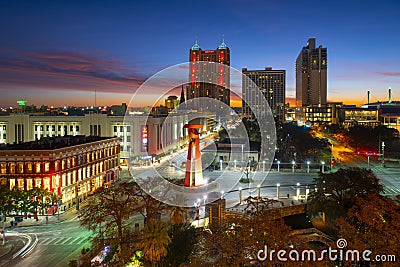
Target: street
{"type": "Point", "coordinates": [57, 243]}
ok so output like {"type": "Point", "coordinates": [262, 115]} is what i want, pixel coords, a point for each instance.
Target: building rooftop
{"type": "Point", "coordinates": [50, 143]}
{"type": "Point", "coordinates": [195, 46]}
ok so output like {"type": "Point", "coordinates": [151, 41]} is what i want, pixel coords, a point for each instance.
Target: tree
{"type": "Point", "coordinates": [154, 241]}
{"type": "Point", "coordinates": [237, 241]}
{"type": "Point", "coordinates": [373, 223]}
{"type": "Point", "coordinates": [112, 206]}
{"type": "Point", "coordinates": [183, 239]}
{"type": "Point", "coordinates": [336, 192]}
{"type": "Point", "coordinates": [178, 214]}
{"type": "Point", "coordinates": [150, 207]}
{"type": "Point", "coordinates": [6, 206]}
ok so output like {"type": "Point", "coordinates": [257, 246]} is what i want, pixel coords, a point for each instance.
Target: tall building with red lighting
{"type": "Point", "coordinates": [211, 81]}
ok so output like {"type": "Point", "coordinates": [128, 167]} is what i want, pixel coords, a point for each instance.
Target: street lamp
{"type": "Point", "coordinates": [235, 163]}
{"type": "Point", "coordinates": [308, 166]}
{"type": "Point", "coordinates": [278, 164]}
{"type": "Point", "coordinates": [278, 190]}
{"type": "Point", "coordinates": [220, 164]}
{"type": "Point", "coordinates": [263, 165]}
{"type": "Point", "coordinates": [259, 191]}
{"type": "Point", "coordinates": [323, 166]}
{"type": "Point", "coordinates": [383, 153]}
{"type": "Point", "coordinates": [242, 157]}
{"type": "Point", "coordinates": [298, 190]}
{"type": "Point", "coordinates": [293, 164]}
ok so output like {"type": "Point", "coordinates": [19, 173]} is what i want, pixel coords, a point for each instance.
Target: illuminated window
{"type": "Point", "coordinates": [29, 167]}
{"type": "Point", "coordinates": [29, 184]}
{"type": "Point", "coordinates": [37, 167]}
{"type": "Point", "coordinates": [38, 182]}
{"type": "Point", "coordinates": [46, 183]}
{"type": "Point", "coordinates": [21, 184]}
{"type": "Point", "coordinates": [12, 183]}
{"type": "Point", "coordinates": [47, 167]}
{"type": "Point", "coordinates": [3, 168]}
{"type": "Point", "coordinates": [20, 167]}
{"type": "Point", "coordinates": [12, 167]}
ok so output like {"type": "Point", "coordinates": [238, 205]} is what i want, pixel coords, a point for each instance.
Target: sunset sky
{"type": "Point", "coordinates": [59, 52]}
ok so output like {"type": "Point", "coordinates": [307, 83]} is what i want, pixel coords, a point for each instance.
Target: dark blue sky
{"type": "Point", "coordinates": [57, 52]}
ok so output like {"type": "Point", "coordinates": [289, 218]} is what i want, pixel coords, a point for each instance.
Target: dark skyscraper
{"type": "Point", "coordinates": [182, 99]}
{"type": "Point", "coordinates": [311, 75]}
{"type": "Point", "coordinates": [272, 84]}
{"type": "Point", "coordinates": [215, 79]}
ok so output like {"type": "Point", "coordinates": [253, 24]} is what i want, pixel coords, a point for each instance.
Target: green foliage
{"type": "Point", "coordinates": [336, 192]}
{"type": "Point", "coordinates": [155, 240]}
{"type": "Point", "coordinates": [373, 223]}
{"type": "Point", "coordinates": [30, 201]}
{"type": "Point", "coordinates": [296, 140]}
{"type": "Point", "coordinates": [108, 209]}
{"type": "Point", "coordinates": [363, 137]}
{"type": "Point", "coordinates": [183, 240]}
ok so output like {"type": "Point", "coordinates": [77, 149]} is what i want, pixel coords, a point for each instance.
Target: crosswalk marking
{"type": "Point", "coordinates": [76, 239]}
{"type": "Point", "coordinates": [82, 241]}
{"type": "Point", "coordinates": [62, 240]}
{"type": "Point", "coordinates": [43, 240]}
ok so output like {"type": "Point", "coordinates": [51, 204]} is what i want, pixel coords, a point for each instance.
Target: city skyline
{"type": "Point", "coordinates": [61, 53]}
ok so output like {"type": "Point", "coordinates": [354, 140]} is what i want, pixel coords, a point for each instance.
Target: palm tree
{"type": "Point", "coordinates": [155, 240]}
{"type": "Point", "coordinates": [178, 214]}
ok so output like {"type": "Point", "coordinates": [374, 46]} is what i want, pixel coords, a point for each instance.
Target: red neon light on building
{"type": "Point", "coordinates": [221, 75]}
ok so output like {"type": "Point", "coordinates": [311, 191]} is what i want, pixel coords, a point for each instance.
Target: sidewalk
{"type": "Point", "coordinates": [42, 219]}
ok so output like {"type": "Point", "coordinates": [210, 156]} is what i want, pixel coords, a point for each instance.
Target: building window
{"type": "Point", "coordinates": [37, 167]}
{"type": "Point", "coordinates": [38, 182]}
{"type": "Point", "coordinates": [12, 167]}
{"type": "Point", "coordinates": [21, 183]}
{"type": "Point", "coordinates": [12, 183]}
{"type": "Point", "coordinates": [115, 129]}
{"type": "Point", "coordinates": [20, 168]}
{"type": "Point", "coordinates": [29, 184]}
{"type": "Point", "coordinates": [29, 167]}
{"type": "Point", "coordinates": [47, 167]}
{"type": "Point", "coordinates": [3, 168]}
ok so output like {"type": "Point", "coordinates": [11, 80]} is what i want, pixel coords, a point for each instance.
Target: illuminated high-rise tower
{"type": "Point", "coordinates": [311, 75]}
{"type": "Point", "coordinates": [272, 85]}
{"type": "Point", "coordinates": [213, 81]}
